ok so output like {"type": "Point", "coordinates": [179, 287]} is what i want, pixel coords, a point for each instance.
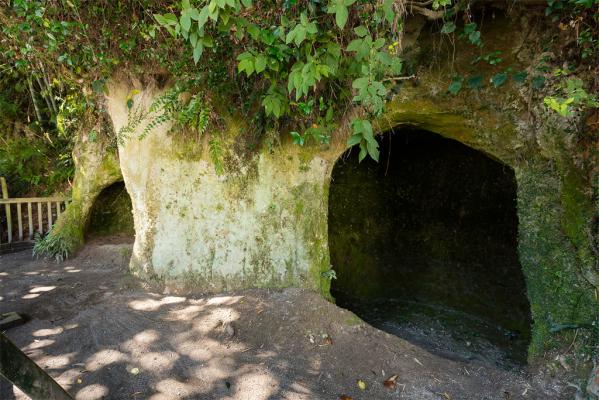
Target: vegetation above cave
{"type": "Point", "coordinates": [292, 65]}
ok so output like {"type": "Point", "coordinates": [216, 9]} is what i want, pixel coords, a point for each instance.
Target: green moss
{"type": "Point", "coordinates": [112, 213]}
{"type": "Point", "coordinates": [557, 294]}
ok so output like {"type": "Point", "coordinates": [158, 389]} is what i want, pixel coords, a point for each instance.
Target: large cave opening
{"type": "Point", "coordinates": [111, 217]}
{"type": "Point", "coordinates": [424, 245]}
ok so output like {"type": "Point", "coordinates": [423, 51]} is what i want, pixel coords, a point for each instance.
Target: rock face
{"type": "Point", "coordinates": [262, 222]}
{"type": "Point", "coordinates": [97, 167]}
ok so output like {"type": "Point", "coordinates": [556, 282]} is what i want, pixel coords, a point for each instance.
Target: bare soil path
{"type": "Point", "coordinates": [102, 336]}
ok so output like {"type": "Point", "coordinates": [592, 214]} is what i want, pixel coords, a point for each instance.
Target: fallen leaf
{"type": "Point", "coordinates": [361, 384]}
{"type": "Point", "coordinates": [446, 396]}
{"type": "Point", "coordinates": [327, 341]}
{"type": "Point", "coordinates": [391, 382]}
{"type": "Point", "coordinates": [345, 397]}
{"type": "Point", "coordinates": [134, 371]}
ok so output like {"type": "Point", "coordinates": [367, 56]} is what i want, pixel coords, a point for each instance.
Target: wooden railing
{"type": "Point", "coordinates": [22, 218]}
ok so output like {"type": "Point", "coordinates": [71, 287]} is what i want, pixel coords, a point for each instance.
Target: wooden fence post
{"type": "Point", "coordinates": [27, 375]}
{"type": "Point", "coordinates": [6, 208]}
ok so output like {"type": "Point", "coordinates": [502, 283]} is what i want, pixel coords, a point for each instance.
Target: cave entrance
{"type": "Point", "coordinates": [424, 245]}
{"type": "Point", "coordinates": [111, 217]}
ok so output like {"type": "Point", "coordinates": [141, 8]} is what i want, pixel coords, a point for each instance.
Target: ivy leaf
{"type": "Point", "coordinates": [456, 85]}
{"type": "Point", "coordinates": [538, 82]}
{"type": "Point", "coordinates": [499, 79]}
{"type": "Point", "coordinates": [246, 3]}
{"type": "Point", "coordinates": [99, 86]}
{"type": "Point", "coordinates": [475, 82]}
{"type": "Point", "coordinates": [520, 77]}
{"type": "Point", "coordinates": [448, 27]}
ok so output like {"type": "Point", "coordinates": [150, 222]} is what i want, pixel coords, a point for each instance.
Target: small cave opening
{"type": "Point", "coordinates": [111, 216]}
{"type": "Point", "coordinates": [424, 246]}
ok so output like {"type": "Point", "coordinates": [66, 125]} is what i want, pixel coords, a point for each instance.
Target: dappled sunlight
{"type": "Point", "coordinates": [56, 362]}
{"type": "Point", "coordinates": [146, 337]}
{"type": "Point", "coordinates": [41, 289]}
{"type": "Point", "coordinates": [172, 388]}
{"type": "Point", "coordinates": [255, 385]}
{"type": "Point", "coordinates": [193, 351]}
{"type": "Point", "coordinates": [158, 360]}
{"type": "Point", "coordinates": [223, 300]}
{"type": "Point", "coordinates": [135, 345]}
{"type": "Point", "coordinates": [39, 343]}
{"type": "Point", "coordinates": [153, 305]}
{"type": "Point", "coordinates": [104, 358]}
{"type": "Point", "coordinates": [48, 331]}
{"type": "Point", "coordinates": [185, 314]}
{"type": "Point", "coordinates": [92, 392]}
{"type": "Point", "coordinates": [216, 318]}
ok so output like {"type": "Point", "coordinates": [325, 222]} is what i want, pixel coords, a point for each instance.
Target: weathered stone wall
{"type": "Point", "coordinates": [261, 223]}
{"type": "Point", "coordinates": [96, 167]}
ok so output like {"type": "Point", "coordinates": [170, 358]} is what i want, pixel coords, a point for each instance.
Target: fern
{"type": "Point", "coordinates": [193, 116]}
{"type": "Point", "coordinates": [216, 155]}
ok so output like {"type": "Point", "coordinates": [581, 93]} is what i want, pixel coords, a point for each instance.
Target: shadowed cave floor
{"type": "Point", "coordinates": [91, 324]}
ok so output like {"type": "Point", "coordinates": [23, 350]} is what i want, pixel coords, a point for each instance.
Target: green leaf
{"type": "Point", "coordinates": [203, 17]}
{"type": "Point", "coordinates": [197, 52]}
{"type": "Point", "coordinates": [388, 11]}
{"type": "Point", "coordinates": [448, 27]}
{"type": "Point", "coordinates": [456, 85]}
{"type": "Point", "coordinates": [185, 21]}
{"type": "Point", "coordinates": [260, 63]}
{"type": "Point", "coordinates": [475, 82]}
{"type": "Point", "coordinates": [166, 19]}
{"type": "Point", "coordinates": [361, 31]}
{"type": "Point", "coordinates": [354, 139]}
{"type": "Point", "coordinates": [499, 79]}
{"type": "Point", "coordinates": [246, 63]}
{"type": "Point", "coordinates": [520, 77]}
{"type": "Point", "coordinates": [297, 138]}
{"type": "Point", "coordinates": [373, 149]}
{"type": "Point", "coordinates": [194, 14]}
{"type": "Point", "coordinates": [363, 151]}
{"type": "Point", "coordinates": [538, 82]}
{"type": "Point", "coordinates": [341, 16]}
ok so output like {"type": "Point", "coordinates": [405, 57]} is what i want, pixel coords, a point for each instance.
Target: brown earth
{"type": "Point", "coordinates": [102, 335]}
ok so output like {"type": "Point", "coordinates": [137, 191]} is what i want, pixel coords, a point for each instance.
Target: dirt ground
{"type": "Point", "coordinates": [103, 336]}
